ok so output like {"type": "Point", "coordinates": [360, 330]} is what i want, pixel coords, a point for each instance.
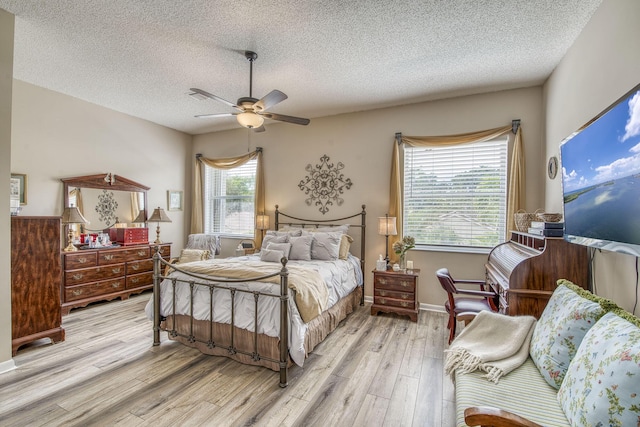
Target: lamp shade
{"type": "Point", "coordinates": [387, 226]}
{"type": "Point", "coordinates": [262, 222]}
{"type": "Point", "coordinates": [142, 217]}
{"type": "Point", "coordinates": [250, 120]}
{"type": "Point", "coordinates": [72, 215]}
{"type": "Point", "coordinates": [159, 215]}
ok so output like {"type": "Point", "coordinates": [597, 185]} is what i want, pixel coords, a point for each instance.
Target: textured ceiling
{"type": "Point", "coordinates": [140, 57]}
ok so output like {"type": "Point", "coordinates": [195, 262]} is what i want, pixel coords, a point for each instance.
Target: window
{"type": "Point", "coordinates": [456, 196]}
{"type": "Point", "coordinates": [229, 200]}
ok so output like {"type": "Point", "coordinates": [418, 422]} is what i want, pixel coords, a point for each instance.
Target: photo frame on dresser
{"type": "Point", "coordinates": [174, 200]}
{"type": "Point", "coordinates": [18, 187]}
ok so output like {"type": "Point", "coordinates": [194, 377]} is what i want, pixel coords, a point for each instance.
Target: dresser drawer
{"type": "Point", "coordinates": [385, 293]}
{"type": "Point", "coordinates": [406, 284]}
{"type": "Point", "coordinates": [137, 280]}
{"type": "Point", "coordinates": [74, 293]}
{"type": "Point", "coordinates": [74, 277]}
{"type": "Point", "coordinates": [393, 302]}
{"type": "Point", "coordinates": [112, 256]}
{"type": "Point", "coordinates": [80, 260]}
{"type": "Point", "coordinates": [165, 250]}
{"type": "Point", "coordinates": [134, 254]}
{"type": "Point", "coordinates": [135, 267]}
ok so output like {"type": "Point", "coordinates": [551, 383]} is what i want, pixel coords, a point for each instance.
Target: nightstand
{"type": "Point", "coordinates": [396, 292]}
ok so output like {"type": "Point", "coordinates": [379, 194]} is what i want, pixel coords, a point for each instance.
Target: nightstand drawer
{"type": "Point", "coordinates": [385, 293]}
{"type": "Point", "coordinates": [393, 302]}
{"type": "Point", "coordinates": [403, 283]}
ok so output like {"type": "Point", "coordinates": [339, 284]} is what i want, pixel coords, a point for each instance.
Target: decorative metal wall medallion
{"type": "Point", "coordinates": [324, 184]}
{"type": "Point", "coordinates": [106, 207]}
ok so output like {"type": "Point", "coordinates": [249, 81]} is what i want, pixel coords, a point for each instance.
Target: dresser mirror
{"type": "Point", "coordinates": [104, 200]}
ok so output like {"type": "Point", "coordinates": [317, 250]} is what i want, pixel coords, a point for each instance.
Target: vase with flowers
{"type": "Point", "coordinates": [401, 247]}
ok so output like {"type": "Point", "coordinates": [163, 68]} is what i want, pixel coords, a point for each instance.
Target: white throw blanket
{"type": "Point", "coordinates": [493, 343]}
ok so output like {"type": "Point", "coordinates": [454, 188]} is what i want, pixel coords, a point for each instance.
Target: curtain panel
{"type": "Point", "coordinates": [197, 212]}
{"type": "Point", "coordinates": [515, 190]}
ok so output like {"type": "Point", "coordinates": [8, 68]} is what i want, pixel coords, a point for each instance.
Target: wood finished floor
{"type": "Point", "coordinates": [371, 371]}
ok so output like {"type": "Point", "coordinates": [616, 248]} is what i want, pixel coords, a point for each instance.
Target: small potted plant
{"type": "Point", "coordinates": [401, 247]}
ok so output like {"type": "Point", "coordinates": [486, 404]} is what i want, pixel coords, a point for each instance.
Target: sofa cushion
{"type": "Point", "coordinates": [570, 313]}
{"type": "Point", "coordinates": [522, 391]}
{"type": "Point", "coordinates": [602, 384]}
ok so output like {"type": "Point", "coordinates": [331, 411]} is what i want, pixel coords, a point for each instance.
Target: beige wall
{"type": "Point", "coordinates": [601, 66]}
{"type": "Point", "coordinates": [363, 142]}
{"type": "Point", "coordinates": [6, 78]}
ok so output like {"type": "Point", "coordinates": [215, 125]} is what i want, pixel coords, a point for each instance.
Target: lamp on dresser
{"type": "Point", "coordinates": [141, 218]}
{"type": "Point", "coordinates": [71, 215]}
{"type": "Point", "coordinates": [387, 227]}
{"type": "Point", "coordinates": [158, 215]}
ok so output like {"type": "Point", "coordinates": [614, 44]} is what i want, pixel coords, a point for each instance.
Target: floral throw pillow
{"type": "Point", "coordinates": [602, 384]}
{"type": "Point", "coordinates": [569, 314]}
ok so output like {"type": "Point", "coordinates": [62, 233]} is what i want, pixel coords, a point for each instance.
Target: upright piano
{"type": "Point", "coordinates": [523, 271]}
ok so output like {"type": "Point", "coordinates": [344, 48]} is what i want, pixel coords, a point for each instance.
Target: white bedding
{"type": "Point", "coordinates": [340, 276]}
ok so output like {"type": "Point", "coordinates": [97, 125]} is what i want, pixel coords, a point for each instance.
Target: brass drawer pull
{"type": "Point", "coordinates": [382, 281]}
{"type": "Point", "coordinates": [77, 292]}
{"type": "Point", "coordinates": [108, 257]}
{"type": "Point", "coordinates": [405, 284]}
{"type": "Point", "coordinates": [383, 301]}
{"type": "Point", "coordinates": [383, 293]}
{"type": "Point", "coordinates": [115, 285]}
{"type": "Point", "coordinates": [135, 280]}
{"type": "Point", "coordinates": [115, 270]}
{"type": "Point", "coordinates": [135, 267]}
{"type": "Point", "coordinates": [78, 276]}
{"type": "Point", "coordinates": [142, 253]}
{"type": "Point", "coordinates": [404, 304]}
{"type": "Point", "coordinates": [406, 296]}
{"type": "Point", "coordinates": [82, 260]}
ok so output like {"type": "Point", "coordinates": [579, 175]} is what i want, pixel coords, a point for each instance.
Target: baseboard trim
{"type": "Point", "coordinates": [7, 366]}
{"type": "Point", "coordinates": [423, 306]}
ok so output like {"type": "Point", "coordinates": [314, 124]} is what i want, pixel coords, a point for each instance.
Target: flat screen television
{"type": "Point", "coordinates": [601, 179]}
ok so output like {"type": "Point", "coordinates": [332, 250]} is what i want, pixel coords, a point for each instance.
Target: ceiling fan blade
{"type": "Point", "coordinates": [260, 129]}
{"type": "Point", "coordinates": [208, 116]}
{"type": "Point", "coordinates": [288, 119]}
{"type": "Point", "coordinates": [217, 98]}
{"type": "Point", "coordinates": [269, 100]}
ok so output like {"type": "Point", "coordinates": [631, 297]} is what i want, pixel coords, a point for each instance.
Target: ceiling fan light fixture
{"type": "Point", "coordinates": [250, 120]}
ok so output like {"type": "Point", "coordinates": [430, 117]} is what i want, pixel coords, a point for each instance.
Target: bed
{"type": "Point", "coordinates": [270, 308]}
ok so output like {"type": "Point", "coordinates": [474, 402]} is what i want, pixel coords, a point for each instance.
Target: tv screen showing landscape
{"type": "Point", "coordinates": [601, 179]}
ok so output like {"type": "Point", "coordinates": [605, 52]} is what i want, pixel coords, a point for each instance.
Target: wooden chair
{"type": "Point", "coordinates": [471, 301]}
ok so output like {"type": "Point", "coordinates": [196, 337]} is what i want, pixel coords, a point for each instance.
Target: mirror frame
{"type": "Point", "coordinates": [103, 181]}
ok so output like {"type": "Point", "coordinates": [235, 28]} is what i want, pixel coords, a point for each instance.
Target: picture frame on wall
{"type": "Point", "coordinates": [18, 187]}
{"type": "Point", "coordinates": [174, 200]}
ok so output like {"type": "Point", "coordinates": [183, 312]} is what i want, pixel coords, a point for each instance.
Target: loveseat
{"type": "Point", "coordinates": [583, 369]}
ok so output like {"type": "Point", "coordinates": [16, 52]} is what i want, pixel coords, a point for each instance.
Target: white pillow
{"type": "Point", "coordinates": [293, 232]}
{"type": "Point", "coordinates": [284, 247]}
{"type": "Point", "coordinates": [300, 248]}
{"type": "Point", "coordinates": [271, 255]}
{"type": "Point", "coordinates": [275, 239]}
{"type": "Point", "coordinates": [325, 246]}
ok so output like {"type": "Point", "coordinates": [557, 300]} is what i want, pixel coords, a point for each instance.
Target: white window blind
{"type": "Point", "coordinates": [456, 196]}
{"type": "Point", "coordinates": [229, 200]}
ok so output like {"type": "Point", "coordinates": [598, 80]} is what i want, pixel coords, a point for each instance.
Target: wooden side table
{"type": "Point", "coordinates": [396, 292]}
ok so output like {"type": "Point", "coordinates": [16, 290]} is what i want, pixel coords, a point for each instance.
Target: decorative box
{"type": "Point", "coordinates": [129, 236]}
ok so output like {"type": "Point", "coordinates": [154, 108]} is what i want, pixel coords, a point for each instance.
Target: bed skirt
{"type": "Point", "coordinates": [268, 347]}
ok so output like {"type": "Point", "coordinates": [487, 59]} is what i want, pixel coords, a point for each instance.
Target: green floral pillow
{"type": "Point", "coordinates": [570, 313]}
{"type": "Point", "coordinates": [602, 384]}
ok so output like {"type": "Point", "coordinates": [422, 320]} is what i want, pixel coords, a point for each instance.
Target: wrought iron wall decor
{"type": "Point", "coordinates": [324, 184]}
{"type": "Point", "coordinates": [107, 206]}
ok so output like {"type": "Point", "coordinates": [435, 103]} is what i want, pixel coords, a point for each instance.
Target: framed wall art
{"type": "Point", "coordinates": [18, 189]}
{"type": "Point", "coordinates": [174, 200]}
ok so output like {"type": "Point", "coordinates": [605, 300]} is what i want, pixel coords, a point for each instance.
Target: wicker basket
{"type": "Point", "coordinates": [550, 217]}
{"type": "Point", "coordinates": [523, 219]}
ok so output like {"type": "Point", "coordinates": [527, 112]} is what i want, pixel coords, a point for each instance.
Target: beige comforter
{"type": "Point", "coordinates": [312, 296]}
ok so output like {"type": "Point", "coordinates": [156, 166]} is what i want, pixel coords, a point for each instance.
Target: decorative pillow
{"type": "Point", "coordinates": [345, 245]}
{"type": "Point", "coordinates": [293, 232]}
{"type": "Point", "coordinates": [191, 255]}
{"type": "Point", "coordinates": [271, 255]}
{"type": "Point", "coordinates": [300, 248]}
{"type": "Point", "coordinates": [325, 246]}
{"type": "Point", "coordinates": [570, 313]}
{"type": "Point", "coordinates": [275, 239]}
{"type": "Point", "coordinates": [284, 247]}
{"type": "Point", "coordinates": [602, 384]}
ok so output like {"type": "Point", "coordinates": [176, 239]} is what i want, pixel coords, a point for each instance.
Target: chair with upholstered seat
{"type": "Point", "coordinates": [464, 301]}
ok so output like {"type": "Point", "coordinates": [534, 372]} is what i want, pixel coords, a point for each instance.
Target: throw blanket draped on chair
{"type": "Point", "coordinates": [493, 343]}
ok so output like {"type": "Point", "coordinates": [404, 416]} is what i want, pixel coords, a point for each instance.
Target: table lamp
{"type": "Point", "coordinates": [158, 215]}
{"type": "Point", "coordinates": [262, 223]}
{"type": "Point", "coordinates": [72, 215]}
{"type": "Point", "coordinates": [387, 227]}
{"type": "Point", "coordinates": [141, 218]}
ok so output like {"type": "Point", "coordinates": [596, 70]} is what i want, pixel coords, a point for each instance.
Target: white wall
{"type": "Point", "coordinates": [363, 142]}
{"type": "Point", "coordinates": [6, 78]}
{"type": "Point", "coordinates": [601, 66]}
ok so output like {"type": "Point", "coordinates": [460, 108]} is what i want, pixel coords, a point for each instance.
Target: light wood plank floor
{"type": "Point", "coordinates": [371, 371]}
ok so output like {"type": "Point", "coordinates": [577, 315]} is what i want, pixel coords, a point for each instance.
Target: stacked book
{"type": "Point", "coordinates": [547, 229]}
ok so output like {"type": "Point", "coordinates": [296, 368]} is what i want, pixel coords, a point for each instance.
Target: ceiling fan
{"type": "Point", "coordinates": [251, 111]}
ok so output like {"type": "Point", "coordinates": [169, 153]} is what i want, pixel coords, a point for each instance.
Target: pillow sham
{"type": "Point", "coordinates": [284, 247]}
{"type": "Point", "coordinates": [271, 255]}
{"type": "Point", "coordinates": [293, 232]}
{"type": "Point", "coordinates": [300, 248]}
{"type": "Point", "coordinates": [345, 245]}
{"type": "Point", "coordinates": [272, 238]}
{"type": "Point", "coordinates": [601, 384]}
{"type": "Point", "coordinates": [569, 314]}
{"type": "Point", "coordinates": [325, 246]}
{"type": "Point", "coordinates": [191, 255]}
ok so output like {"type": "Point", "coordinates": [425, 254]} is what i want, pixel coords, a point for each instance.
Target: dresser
{"type": "Point", "coordinates": [396, 292]}
{"type": "Point", "coordinates": [35, 280]}
{"type": "Point", "coordinates": [104, 274]}
{"type": "Point", "coordinates": [524, 270]}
